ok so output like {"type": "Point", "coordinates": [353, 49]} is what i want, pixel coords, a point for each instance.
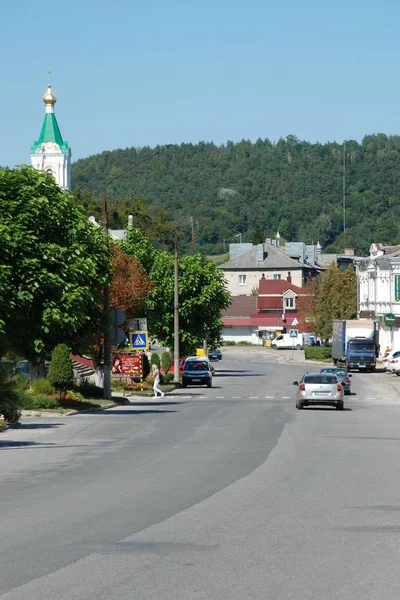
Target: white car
{"type": "Point", "coordinates": [387, 357]}
{"type": "Point", "coordinates": [394, 364]}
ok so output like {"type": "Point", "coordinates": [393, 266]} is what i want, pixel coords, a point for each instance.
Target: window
{"type": "Point", "coordinates": [242, 279]}
{"type": "Point", "coordinates": [289, 303]}
{"type": "Point", "coordinates": [277, 275]}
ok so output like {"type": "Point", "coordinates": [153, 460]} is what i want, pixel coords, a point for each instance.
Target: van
{"type": "Point", "coordinates": [286, 342]}
{"type": "Point", "coordinates": [197, 371]}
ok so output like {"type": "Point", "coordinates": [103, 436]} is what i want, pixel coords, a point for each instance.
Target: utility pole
{"type": "Point", "coordinates": [176, 313]}
{"type": "Point", "coordinates": [344, 194]}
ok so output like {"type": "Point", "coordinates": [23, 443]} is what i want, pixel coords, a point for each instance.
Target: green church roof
{"type": "Point", "coordinates": [50, 132]}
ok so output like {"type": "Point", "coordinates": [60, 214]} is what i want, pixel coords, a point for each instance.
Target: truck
{"type": "Point", "coordinates": [355, 344]}
{"type": "Point", "coordinates": [285, 341]}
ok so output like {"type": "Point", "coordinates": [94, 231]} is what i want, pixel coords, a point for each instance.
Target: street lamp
{"type": "Point", "coordinates": [106, 293]}
{"type": "Point", "coordinates": [176, 313]}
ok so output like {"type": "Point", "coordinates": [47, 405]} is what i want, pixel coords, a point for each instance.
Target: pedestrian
{"type": "Point", "coordinates": [156, 384]}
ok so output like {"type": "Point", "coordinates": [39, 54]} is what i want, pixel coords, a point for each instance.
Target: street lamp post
{"type": "Point", "coordinates": [176, 313]}
{"type": "Point", "coordinates": [106, 292]}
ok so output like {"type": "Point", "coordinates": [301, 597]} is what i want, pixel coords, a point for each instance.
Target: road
{"type": "Point", "coordinates": [222, 493]}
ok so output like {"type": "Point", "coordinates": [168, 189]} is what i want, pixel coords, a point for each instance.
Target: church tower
{"type": "Point", "coordinates": [50, 152]}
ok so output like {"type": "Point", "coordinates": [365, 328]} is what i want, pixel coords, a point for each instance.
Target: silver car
{"type": "Point", "coordinates": [319, 389]}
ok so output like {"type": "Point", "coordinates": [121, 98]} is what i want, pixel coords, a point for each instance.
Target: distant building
{"type": "Point", "coordinates": [378, 277]}
{"type": "Point", "coordinates": [256, 318]}
{"type": "Point", "coordinates": [247, 263]}
{"type": "Point", "coordinates": [50, 152]}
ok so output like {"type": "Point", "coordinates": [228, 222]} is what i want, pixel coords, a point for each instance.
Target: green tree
{"type": "Point", "coordinates": [202, 297]}
{"type": "Point", "coordinates": [336, 298]}
{"type": "Point", "coordinates": [166, 361]}
{"type": "Point", "coordinates": [61, 374]}
{"type": "Point", "coordinates": [54, 265]}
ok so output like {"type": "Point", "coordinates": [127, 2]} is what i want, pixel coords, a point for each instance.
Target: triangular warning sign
{"type": "Point", "coordinates": [139, 341]}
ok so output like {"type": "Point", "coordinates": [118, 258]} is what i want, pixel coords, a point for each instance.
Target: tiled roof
{"type": "Point", "coordinates": [275, 258]}
{"type": "Point", "coordinates": [268, 287]}
{"type": "Point", "coordinates": [241, 306]}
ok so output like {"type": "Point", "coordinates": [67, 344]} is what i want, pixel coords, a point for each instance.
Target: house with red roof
{"type": "Point", "coordinates": [275, 310]}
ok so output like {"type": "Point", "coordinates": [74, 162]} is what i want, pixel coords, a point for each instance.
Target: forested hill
{"type": "Point", "coordinates": [216, 192]}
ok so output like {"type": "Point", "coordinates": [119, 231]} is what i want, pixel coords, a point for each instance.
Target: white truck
{"type": "Point", "coordinates": [286, 342]}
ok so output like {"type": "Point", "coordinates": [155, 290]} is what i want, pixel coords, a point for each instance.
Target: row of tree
{"type": "Point", "coordinates": [212, 193]}
{"type": "Point", "coordinates": [54, 265]}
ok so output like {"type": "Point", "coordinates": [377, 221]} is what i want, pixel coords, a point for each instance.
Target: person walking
{"type": "Point", "coordinates": [156, 384]}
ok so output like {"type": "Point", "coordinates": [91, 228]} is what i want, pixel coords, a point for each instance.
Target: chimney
{"type": "Point", "coordinates": [130, 220]}
{"type": "Point", "coordinates": [289, 278]}
{"type": "Point", "coordinates": [349, 251]}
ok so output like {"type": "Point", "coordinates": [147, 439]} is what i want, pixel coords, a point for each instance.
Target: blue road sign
{"type": "Point", "coordinates": [293, 333]}
{"type": "Point", "coordinates": [139, 340]}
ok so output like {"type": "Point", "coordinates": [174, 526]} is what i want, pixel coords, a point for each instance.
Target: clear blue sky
{"type": "Point", "coordinates": [129, 73]}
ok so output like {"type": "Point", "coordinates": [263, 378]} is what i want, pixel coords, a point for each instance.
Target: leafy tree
{"type": "Point", "coordinates": [61, 373]}
{"type": "Point", "coordinates": [129, 285]}
{"type": "Point", "coordinates": [155, 359]}
{"type": "Point", "coordinates": [336, 298]}
{"type": "Point", "coordinates": [54, 265]}
{"type": "Point", "coordinates": [9, 398]}
{"type": "Point", "coordinates": [202, 296]}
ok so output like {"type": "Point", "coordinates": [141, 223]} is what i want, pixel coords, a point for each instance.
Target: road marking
{"type": "Point", "coordinates": [236, 397]}
{"type": "Point", "coordinates": [285, 397]}
{"type": "Point", "coordinates": [220, 397]}
{"type": "Point", "coordinates": [253, 397]}
{"type": "Point", "coordinates": [269, 397]}
{"type": "Point", "coordinates": [203, 397]}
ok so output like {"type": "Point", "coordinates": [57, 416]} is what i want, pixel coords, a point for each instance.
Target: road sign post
{"type": "Point", "coordinates": [139, 340]}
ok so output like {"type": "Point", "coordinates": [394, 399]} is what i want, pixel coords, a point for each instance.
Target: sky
{"type": "Point", "coordinates": [129, 73]}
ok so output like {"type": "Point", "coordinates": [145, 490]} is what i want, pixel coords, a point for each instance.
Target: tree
{"type": "Point", "coordinates": [202, 297]}
{"type": "Point", "coordinates": [336, 298]}
{"type": "Point", "coordinates": [61, 373]}
{"type": "Point", "coordinates": [129, 285]}
{"type": "Point", "coordinates": [54, 264]}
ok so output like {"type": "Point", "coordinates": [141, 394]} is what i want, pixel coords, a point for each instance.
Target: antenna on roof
{"type": "Point", "coordinates": [49, 77]}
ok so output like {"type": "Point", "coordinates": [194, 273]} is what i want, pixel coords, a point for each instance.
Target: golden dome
{"type": "Point", "coordinates": [49, 98]}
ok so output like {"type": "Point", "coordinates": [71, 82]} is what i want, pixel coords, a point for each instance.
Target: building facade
{"type": "Point", "coordinates": [378, 277]}
{"type": "Point", "coordinates": [50, 152]}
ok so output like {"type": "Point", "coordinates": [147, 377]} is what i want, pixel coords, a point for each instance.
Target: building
{"type": "Point", "coordinates": [247, 263]}
{"type": "Point", "coordinates": [378, 277]}
{"type": "Point", "coordinates": [275, 309]}
{"type": "Point", "coordinates": [50, 152]}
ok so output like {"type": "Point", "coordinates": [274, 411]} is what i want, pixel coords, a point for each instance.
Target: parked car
{"type": "Point", "coordinates": [387, 357]}
{"type": "Point", "coordinates": [8, 365]}
{"type": "Point", "coordinates": [22, 368]}
{"type": "Point", "coordinates": [215, 354]}
{"type": "Point", "coordinates": [181, 365]}
{"type": "Point", "coordinates": [197, 371]}
{"type": "Point", "coordinates": [394, 365]}
{"type": "Point", "coordinates": [319, 389]}
{"type": "Point", "coordinates": [391, 361]}
{"type": "Point", "coordinates": [342, 375]}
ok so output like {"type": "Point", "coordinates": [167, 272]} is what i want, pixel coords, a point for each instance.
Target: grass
{"type": "Point", "coordinates": [218, 259]}
{"type": "Point", "coordinates": [80, 405]}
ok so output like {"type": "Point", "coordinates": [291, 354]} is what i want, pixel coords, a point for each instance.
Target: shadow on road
{"type": "Point", "coordinates": [326, 408]}
{"type": "Point", "coordinates": [40, 425]}
{"type": "Point", "coordinates": [134, 412]}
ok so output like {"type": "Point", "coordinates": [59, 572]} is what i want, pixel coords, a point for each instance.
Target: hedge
{"type": "Point", "coordinates": [317, 353]}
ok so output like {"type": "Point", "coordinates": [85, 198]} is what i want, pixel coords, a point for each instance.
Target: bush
{"type": "Point", "coordinates": [244, 344]}
{"type": "Point", "coordinates": [166, 362]}
{"type": "Point", "coordinates": [42, 387]}
{"type": "Point", "coordinates": [155, 359]}
{"type": "Point", "coordinates": [61, 373]}
{"type": "Point", "coordinates": [229, 343]}
{"type": "Point", "coordinates": [10, 400]}
{"type": "Point", "coordinates": [168, 377]}
{"type": "Point", "coordinates": [39, 402]}
{"type": "Point", "coordinates": [317, 353]}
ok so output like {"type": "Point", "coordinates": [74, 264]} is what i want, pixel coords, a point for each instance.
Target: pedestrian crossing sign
{"type": "Point", "coordinates": [293, 333]}
{"type": "Point", "coordinates": [139, 340]}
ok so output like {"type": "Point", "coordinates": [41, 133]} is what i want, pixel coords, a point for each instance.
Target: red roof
{"type": "Point", "coordinates": [269, 303]}
{"type": "Point", "coordinates": [269, 287]}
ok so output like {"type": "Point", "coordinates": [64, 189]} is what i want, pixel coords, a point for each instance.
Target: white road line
{"type": "Point", "coordinates": [253, 397]}
{"type": "Point", "coordinates": [220, 397]}
{"type": "Point", "coordinates": [285, 397]}
{"type": "Point", "coordinates": [269, 397]}
{"type": "Point", "coordinates": [236, 397]}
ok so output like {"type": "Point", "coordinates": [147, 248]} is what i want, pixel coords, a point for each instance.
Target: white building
{"type": "Point", "coordinates": [50, 152]}
{"type": "Point", "coordinates": [378, 278]}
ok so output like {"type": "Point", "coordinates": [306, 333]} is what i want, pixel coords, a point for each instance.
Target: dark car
{"type": "Point", "coordinates": [197, 371]}
{"type": "Point", "coordinates": [215, 354]}
{"type": "Point", "coordinates": [342, 375]}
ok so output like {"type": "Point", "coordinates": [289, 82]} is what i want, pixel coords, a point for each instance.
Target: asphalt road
{"type": "Point", "coordinates": [222, 493]}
